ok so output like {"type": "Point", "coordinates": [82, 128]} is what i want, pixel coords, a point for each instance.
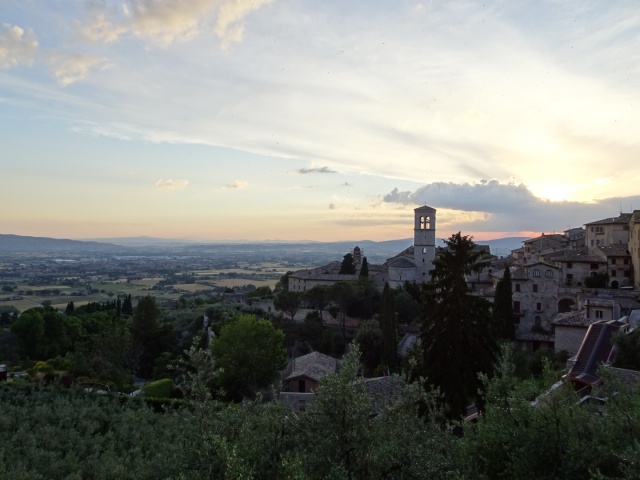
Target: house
{"type": "Point", "coordinates": [609, 231]}
{"type": "Point", "coordinates": [619, 265]}
{"type": "Point", "coordinates": [303, 374]}
{"type": "Point", "coordinates": [597, 348]}
{"type": "Point", "coordinates": [634, 246]}
{"type": "Point", "coordinates": [544, 244]}
{"type": "Point", "coordinates": [577, 265]}
{"type": "Point", "coordinates": [569, 331]}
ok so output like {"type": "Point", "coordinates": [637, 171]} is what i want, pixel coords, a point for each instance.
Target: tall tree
{"type": "Point", "coordinates": [364, 269]}
{"type": "Point", "coordinates": [389, 327]}
{"type": "Point", "coordinates": [288, 301]}
{"type": "Point", "coordinates": [249, 352]}
{"type": "Point", "coordinates": [456, 336]}
{"type": "Point", "coordinates": [127, 306]}
{"type": "Point", "coordinates": [348, 266]}
{"type": "Point", "coordinates": [318, 297]}
{"type": "Point", "coordinates": [503, 307]}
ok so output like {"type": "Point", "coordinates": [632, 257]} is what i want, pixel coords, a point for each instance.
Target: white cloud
{"type": "Point", "coordinates": [171, 21]}
{"type": "Point", "coordinates": [16, 45]}
{"type": "Point", "coordinates": [170, 184]}
{"type": "Point", "coordinates": [237, 185]}
{"type": "Point", "coordinates": [73, 68]}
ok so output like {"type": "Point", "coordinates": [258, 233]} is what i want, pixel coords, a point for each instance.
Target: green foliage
{"type": "Point", "coordinates": [249, 352]}
{"type": "Point", "coordinates": [599, 280]}
{"type": "Point", "coordinates": [503, 307]}
{"type": "Point", "coordinates": [389, 327]}
{"type": "Point", "coordinates": [456, 336]}
{"type": "Point", "coordinates": [348, 266]}
{"type": "Point", "coordinates": [369, 342]}
{"type": "Point", "coordinates": [260, 292]}
{"type": "Point", "coordinates": [288, 302]}
{"type": "Point", "coordinates": [364, 269]}
{"type": "Point", "coordinates": [163, 388]}
{"type": "Point", "coordinates": [628, 349]}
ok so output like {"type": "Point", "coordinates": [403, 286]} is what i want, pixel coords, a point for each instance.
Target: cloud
{"type": "Point", "coordinates": [333, 206]}
{"type": "Point", "coordinates": [171, 21]}
{"type": "Point", "coordinates": [76, 67]}
{"type": "Point", "coordinates": [16, 45]}
{"type": "Point", "coordinates": [507, 207]}
{"type": "Point", "coordinates": [170, 184]}
{"type": "Point", "coordinates": [237, 185]}
{"type": "Point", "coordinates": [303, 171]}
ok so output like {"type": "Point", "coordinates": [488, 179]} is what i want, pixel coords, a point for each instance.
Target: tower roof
{"type": "Point", "coordinates": [424, 208]}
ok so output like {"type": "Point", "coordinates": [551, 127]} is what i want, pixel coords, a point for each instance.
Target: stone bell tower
{"type": "Point", "coordinates": [424, 242]}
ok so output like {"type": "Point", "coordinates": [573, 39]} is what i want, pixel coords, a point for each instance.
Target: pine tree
{"type": "Point", "coordinates": [456, 336]}
{"type": "Point", "coordinates": [347, 267]}
{"type": "Point", "coordinates": [389, 327]}
{"type": "Point", "coordinates": [503, 307]}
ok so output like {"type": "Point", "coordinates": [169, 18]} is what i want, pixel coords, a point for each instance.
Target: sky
{"type": "Point", "coordinates": [304, 120]}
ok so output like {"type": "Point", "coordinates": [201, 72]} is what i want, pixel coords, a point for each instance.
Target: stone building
{"type": "Point", "coordinates": [609, 231]}
{"type": "Point", "coordinates": [412, 264]}
{"type": "Point", "coordinates": [634, 246]}
{"type": "Point", "coordinates": [619, 265]}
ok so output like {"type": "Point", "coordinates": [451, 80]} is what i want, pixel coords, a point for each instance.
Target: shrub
{"type": "Point", "coordinates": [159, 389]}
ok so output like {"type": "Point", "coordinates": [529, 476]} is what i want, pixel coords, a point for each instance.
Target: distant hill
{"type": "Point", "coordinates": [18, 243]}
{"type": "Point", "coordinates": [375, 251]}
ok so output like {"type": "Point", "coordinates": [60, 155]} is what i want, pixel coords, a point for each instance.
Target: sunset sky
{"type": "Point", "coordinates": [318, 120]}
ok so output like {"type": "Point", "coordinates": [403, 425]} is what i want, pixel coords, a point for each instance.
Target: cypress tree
{"type": "Point", "coordinates": [503, 307]}
{"type": "Point", "coordinates": [347, 267]}
{"type": "Point", "coordinates": [364, 270]}
{"type": "Point", "coordinates": [456, 337]}
{"type": "Point", "coordinates": [389, 327]}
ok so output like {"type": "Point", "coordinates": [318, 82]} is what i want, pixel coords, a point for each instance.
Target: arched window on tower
{"type": "Point", "coordinates": [426, 222]}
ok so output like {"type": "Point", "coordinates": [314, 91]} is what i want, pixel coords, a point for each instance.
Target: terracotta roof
{"type": "Point", "coordinates": [623, 218]}
{"type": "Point", "coordinates": [551, 236]}
{"type": "Point", "coordinates": [616, 250]}
{"type": "Point", "coordinates": [600, 302]}
{"type": "Point", "coordinates": [596, 348]}
{"type": "Point", "coordinates": [313, 365]}
{"type": "Point", "coordinates": [571, 319]}
{"type": "Point", "coordinates": [401, 262]}
{"type": "Point", "coordinates": [574, 256]}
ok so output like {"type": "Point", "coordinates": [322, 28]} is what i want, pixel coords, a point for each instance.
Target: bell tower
{"type": "Point", "coordinates": [424, 242]}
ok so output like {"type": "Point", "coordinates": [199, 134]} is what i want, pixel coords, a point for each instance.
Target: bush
{"type": "Point", "coordinates": [160, 389]}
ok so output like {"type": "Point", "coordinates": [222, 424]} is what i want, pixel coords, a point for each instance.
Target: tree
{"type": "Point", "coordinates": [249, 353]}
{"type": "Point", "coordinates": [70, 308]}
{"type": "Point", "coordinates": [7, 288]}
{"type": "Point", "coordinates": [318, 297]}
{"type": "Point", "coordinates": [127, 306]}
{"type": "Point", "coordinates": [283, 283]}
{"type": "Point", "coordinates": [348, 266]}
{"type": "Point", "coordinates": [369, 341]}
{"type": "Point", "coordinates": [503, 307]}
{"type": "Point", "coordinates": [150, 337]}
{"type": "Point", "coordinates": [364, 269]}
{"type": "Point", "coordinates": [389, 327]}
{"type": "Point", "coordinates": [288, 302]}
{"type": "Point", "coordinates": [456, 336]}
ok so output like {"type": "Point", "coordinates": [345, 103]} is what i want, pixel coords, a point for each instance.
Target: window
{"type": "Point", "coordinates": [517, 287]}
{"type": "Point", "coordinates": [302, 385]}
{"type": "Point", "coordinates": [569, 265]}
{"type": "Point", "coordinates": [599, 230]}
{"type": "Point", "coordinates": [537, 320]}
{"type": "Point", "coordinates": [592, 242]}
{"type": "Point", "coordinates": [613, 261]}
{"type": "Point", "coordinates": [626, 261]}
{"type": "Point", "coordinates": [548, 274]}
{"type": "Point", "coordinates": [516, 307]}
{"type": "Point", "coordinates": [538, 307]}
{"type": "Point", "coordinates": [535, 288]}
{"type": "Point", "coordinates": [536, 272]}
{"type": "Point", "coordinates": [594, 266]}
{"type": "Point", "coordinates": [599, 314]}
{"type": "Point", "coordinates": [613, 273]}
